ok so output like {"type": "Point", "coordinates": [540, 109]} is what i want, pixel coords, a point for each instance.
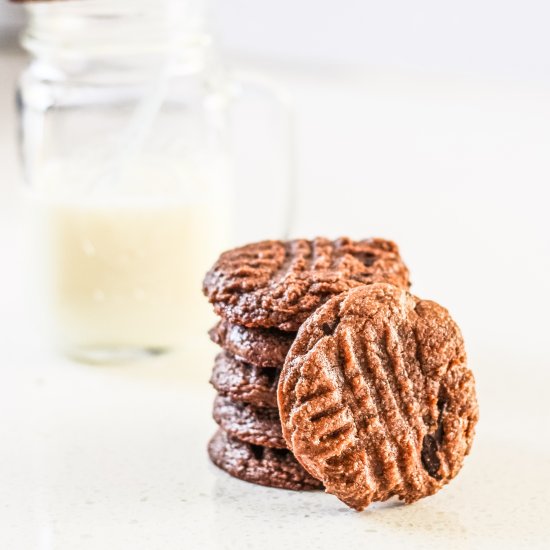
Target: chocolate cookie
{"type": "Point", "coordinates": [375, 396]}
{"type": "Point", "coordinates": [258, 346]}
{"type": "Point", "coordinates": [261, 465]}
{"type": "Point", "coordinates": [279, 284]}
{"type": "Point", "coordinates": [244, 383]}
{"type": "Point", "coordinates": [259, 426]}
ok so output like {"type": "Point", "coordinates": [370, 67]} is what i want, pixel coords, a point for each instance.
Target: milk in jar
{"type": "Point", "coordinates": [123, 276]}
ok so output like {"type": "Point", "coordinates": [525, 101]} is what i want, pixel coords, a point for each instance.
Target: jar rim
{"type": "Point", "coordinates": [103, 27]}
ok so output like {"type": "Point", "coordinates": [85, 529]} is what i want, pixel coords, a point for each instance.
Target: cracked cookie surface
{"type": "Point", "coordinates": [243, 382]}
{"type": "Point", "coordinates": [280, 283]}
{"type": "Point", "coordinates": [375, 396]}
{"type": "Point", "coordinates": [258, 346]}
{"type": "Point", "coordinates": [256, 425]}
{"type": "Point", "coordinates": [260, 465]}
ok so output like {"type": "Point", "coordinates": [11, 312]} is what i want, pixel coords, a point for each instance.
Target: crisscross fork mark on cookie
{"type": "Point", "coordinates": [375, 396]}
{"type": "Point", "coordinates": [279, 284]}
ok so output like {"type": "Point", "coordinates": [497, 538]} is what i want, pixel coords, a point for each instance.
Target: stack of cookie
{"type": "Point", "coordinates": [263, 292]}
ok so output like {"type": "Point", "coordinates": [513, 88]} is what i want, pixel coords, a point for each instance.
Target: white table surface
{"type": "Point", "coordinates": [114, 457]}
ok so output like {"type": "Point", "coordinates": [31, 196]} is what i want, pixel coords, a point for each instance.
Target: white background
{"type": "Point", "coordinates": [502, 38]}
{"type": "Point", "coordinates": [486, 37]}
{"type": "Point", "coordinates": [426, 122]}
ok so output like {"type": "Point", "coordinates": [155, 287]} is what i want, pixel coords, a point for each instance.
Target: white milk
{"type": "Point", "coordinates": [128, 276]}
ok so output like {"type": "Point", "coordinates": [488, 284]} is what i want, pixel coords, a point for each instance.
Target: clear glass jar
{"type": "Point", "coordinates": [132, 140]}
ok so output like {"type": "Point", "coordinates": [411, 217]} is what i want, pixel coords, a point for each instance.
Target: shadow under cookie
{"type": "Point", "coordinates": [261, 465]}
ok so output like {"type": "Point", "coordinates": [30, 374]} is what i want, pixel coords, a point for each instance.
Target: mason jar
{"type": "Point", "coordinates": [144, 158]}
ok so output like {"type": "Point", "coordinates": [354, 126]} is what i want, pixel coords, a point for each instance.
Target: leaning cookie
{"type": "Point", "coordinates": [260, 465]}
{"type": "Point", "coordinates": [375, 396]}
{"type": "Point", "coordinates": [257, 346]}
{"type": "Point", "coordinates": [259, 426]}
{"type": "Point", "coordinates": [279, 284]}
